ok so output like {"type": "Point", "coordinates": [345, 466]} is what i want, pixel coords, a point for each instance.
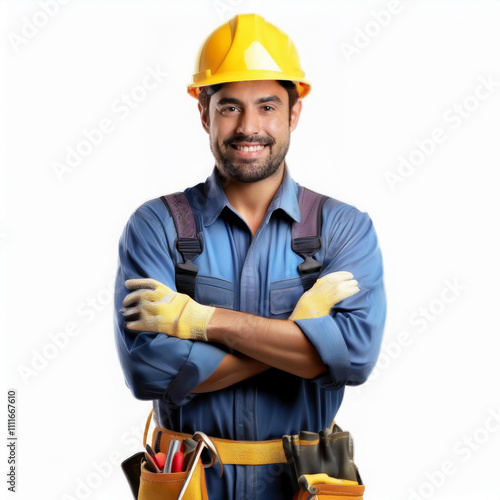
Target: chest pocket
{"type": "Point", "coordinates": [215, 292]}
{"type": "Point", "coordinates": [283, 296]}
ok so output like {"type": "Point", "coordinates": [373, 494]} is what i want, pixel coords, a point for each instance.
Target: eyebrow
{"type": "Point", "coordinates": [261, 100]}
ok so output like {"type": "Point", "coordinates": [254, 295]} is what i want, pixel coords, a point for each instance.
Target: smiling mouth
{"type": "Point", "coordinates": [249, 148]}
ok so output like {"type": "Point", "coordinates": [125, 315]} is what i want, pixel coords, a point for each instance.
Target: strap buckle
{"type": "Point", "coordinates": [189, 248]}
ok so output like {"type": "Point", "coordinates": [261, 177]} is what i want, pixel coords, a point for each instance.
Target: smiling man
{"type": "Point", "coordinates": [249, 301]}
{"type": "Point", "coordinates": [250, 135]}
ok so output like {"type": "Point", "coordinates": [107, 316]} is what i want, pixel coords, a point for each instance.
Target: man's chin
{"type": "Point", "coordinates": [249, 173]}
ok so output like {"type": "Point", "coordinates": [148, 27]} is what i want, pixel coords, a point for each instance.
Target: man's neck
{"type": "Point", "coordinates": [251, 199]}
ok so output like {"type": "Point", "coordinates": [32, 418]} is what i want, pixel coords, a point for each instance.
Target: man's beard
{"type": "Point", "coordinates": [250, 169]}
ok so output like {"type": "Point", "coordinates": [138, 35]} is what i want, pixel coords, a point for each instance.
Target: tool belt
{"type": "Point", "coordinates": [149, 485]}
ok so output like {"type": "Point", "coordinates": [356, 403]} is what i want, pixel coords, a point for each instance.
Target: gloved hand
{"type": "Point", "coordinates": [154, 307]}
{"type": "Point", "coordinates": [324, 294]}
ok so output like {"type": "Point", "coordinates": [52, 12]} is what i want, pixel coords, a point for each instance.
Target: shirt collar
{"type": "Point", "coordinates": [216, 200]}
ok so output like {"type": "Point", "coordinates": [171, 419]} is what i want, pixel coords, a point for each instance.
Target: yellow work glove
{"type": "Point", "coordinates": [154, 307]}
{"type": "Point", "coordinates": [324, 294]}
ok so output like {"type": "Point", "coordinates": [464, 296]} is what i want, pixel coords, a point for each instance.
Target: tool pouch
{"type": "Point", "coordinates": [160, 486]}
{"type": "Point", "coordinates": [148, 485]}
{"type": "Point", "coordinates": [322, 465]}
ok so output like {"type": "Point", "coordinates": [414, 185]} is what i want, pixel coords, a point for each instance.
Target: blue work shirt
{"type": "Point", "coordinates": [255, 274]}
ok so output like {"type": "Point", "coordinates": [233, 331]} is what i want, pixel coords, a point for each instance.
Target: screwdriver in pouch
{"type": "Point", "coordinates": [174, 447]}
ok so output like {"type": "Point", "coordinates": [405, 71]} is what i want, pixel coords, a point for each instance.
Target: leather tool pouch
{"type": "Point", "coordinates": [322, 465]}
{"type": "Point", "coordinates": [155, 486]}
{"type": "Point", "coordinates": [148, 485]}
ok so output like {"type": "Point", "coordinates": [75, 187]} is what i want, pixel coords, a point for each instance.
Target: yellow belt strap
{"type": "Point", "coordinates": [230, 452]}
{"type": "Point", "coordinates": [233, 452]}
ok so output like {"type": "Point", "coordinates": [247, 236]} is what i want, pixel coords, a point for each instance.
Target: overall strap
{"type": "Point", "coordinates": [306, 239]}
{"type": "Point", "coordinates": [188, 242]}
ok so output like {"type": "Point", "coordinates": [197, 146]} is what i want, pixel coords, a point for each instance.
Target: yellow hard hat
{"type": "Point", "coordinates": [247, 48]}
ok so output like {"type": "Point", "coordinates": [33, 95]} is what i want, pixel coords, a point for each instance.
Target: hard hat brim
{"type": "Point", "coordinates": [303, 86]}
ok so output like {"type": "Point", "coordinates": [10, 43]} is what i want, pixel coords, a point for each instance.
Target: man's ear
{"type": "Point", "coordinates": [204, 115]}
{"type": "Point", "coordinates": [295, 114]}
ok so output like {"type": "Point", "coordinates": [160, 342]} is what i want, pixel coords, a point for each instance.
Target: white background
{"type": "Point", "coordinates": [429, 401]}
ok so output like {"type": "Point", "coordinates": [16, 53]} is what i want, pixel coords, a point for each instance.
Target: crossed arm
{"type": "Point", "coordinates": [263, 343]}
{"type": "Point", "coordinates": [260, 342]}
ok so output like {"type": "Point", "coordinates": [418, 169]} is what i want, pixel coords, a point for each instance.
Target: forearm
{"type": "Point", "coordinates": [276, 342]}
{"type": "Point", "coordinates": [232, 369]}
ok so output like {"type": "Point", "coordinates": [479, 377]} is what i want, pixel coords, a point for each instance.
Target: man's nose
{"type": "Point", "coordinates": [249, 123]}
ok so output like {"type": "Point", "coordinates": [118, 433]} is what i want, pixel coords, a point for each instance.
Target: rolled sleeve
{"type": "Point", "coordinates": [156, 366]}
{"type": "Point", "coordinates": [325, 336]}
{"type": "Point", "coordinates": [355, 324]}
{"type": "Point", "coordinates": [202, 361]}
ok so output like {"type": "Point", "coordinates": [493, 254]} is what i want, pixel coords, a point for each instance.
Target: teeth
{"type": "Point", "coordinates": [251, 148]}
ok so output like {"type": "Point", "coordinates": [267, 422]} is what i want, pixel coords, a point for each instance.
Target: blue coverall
{"type": "Point", "coordinates": [254, 274]}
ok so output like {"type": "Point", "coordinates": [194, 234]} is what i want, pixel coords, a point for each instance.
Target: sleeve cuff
{"type": "Point", "coordinates": [325, 336]}
{"type": "Point", "coordinates": [202, 361]}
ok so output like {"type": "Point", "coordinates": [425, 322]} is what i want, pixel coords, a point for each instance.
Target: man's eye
{"type": "Point", "coordinates": [229, 108]}
{"type": "Point", "coordinates": [267, 108]}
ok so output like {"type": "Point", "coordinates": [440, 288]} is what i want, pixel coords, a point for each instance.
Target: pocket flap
{"type": "Point", "coordinates": [284, 295]}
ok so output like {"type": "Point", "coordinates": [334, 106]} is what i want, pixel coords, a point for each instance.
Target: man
{"type": "Point", "coordinates": [252, 357]}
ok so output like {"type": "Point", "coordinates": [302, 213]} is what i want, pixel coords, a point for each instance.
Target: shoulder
{"type": "Point", "coordinates": [342, 222]}
{"type": "Point", "coordinates": [336, 212]}
{"type": "Point", "coordinates": [154, 211]}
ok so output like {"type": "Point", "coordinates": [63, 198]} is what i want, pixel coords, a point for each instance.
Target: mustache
{"type": "Point", "coordinates": [264, 141]}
